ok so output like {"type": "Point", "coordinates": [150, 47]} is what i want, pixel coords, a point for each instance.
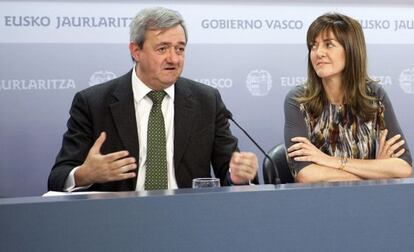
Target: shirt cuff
{"type": "Point", "coordinates": [70, 185]}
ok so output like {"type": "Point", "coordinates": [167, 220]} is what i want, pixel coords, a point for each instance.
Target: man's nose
{"type": "Point", "coordinates": [172, 57]}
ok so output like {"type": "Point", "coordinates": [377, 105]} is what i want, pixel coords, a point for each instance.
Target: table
{"type": "Point", "coordinates": [344, 216]}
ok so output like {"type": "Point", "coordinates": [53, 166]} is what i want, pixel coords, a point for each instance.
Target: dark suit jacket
{"type": "Point", "coordinates": [201, 132]}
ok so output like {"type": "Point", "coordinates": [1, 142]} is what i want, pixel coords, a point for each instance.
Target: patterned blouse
{"type": "Point", "coordinates": [338, 131]}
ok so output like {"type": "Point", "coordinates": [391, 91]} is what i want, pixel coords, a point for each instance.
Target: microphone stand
{"type": "Point", "coordinates": [229, 116]}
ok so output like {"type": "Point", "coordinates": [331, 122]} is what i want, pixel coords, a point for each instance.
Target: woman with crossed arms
{"type": "Point", "coordinates": [340, 125]}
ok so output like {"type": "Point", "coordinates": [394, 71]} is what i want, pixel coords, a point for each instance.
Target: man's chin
{"type": "Point", "coordinates": [169, 81]}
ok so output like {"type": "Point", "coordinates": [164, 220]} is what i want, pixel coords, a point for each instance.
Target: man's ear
{"type": "Point", "coordinates": [134, 50]}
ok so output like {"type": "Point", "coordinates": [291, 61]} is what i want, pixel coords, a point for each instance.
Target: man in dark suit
{"type": "Point", "coordinates": [106, 146]}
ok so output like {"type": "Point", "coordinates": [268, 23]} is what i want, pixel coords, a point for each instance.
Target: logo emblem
{"type": "Point", "coordinates": [407, 81]}
{"type": "Point", "coordinates": [259, 82]}
{"type": "Point", "coordinates": [100, 77]}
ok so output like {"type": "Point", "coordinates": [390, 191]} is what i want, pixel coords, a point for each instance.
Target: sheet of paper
{"type": "Point", "coordinates": [56, 193]}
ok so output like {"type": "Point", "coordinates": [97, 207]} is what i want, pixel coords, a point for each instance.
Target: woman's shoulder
{"type": "Point", "coordinates": [295, 92]}
{"type": "Point", "coordinates": [376, 89]}
{"type": "Point", "coordinates": [291, 99]}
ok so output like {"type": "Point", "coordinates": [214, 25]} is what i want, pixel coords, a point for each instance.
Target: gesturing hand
{"type": "Point", "coordinates": [304, 150]}
{"type": "Point", "coordinates": [243, 167]}
{"type": "Point", "coordinates": [99, 168]}
{"type": "Point", "coordinates": [388, 148]}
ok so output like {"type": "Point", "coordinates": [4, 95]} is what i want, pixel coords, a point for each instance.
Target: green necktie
{"type": "Point", "coordinates": [156, 164]}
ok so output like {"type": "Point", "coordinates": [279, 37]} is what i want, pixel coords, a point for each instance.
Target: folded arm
{"type": "Point", "coordinates": [327, 168]}
{"type": "Point", "coordinates": [393, 159]}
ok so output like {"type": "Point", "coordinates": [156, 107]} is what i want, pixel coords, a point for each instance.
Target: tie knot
{"type": "Point", "coordinates": [156, 96]}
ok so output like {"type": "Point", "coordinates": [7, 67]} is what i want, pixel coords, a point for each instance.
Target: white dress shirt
{"type": "Point", "coordinates": [143, 106]}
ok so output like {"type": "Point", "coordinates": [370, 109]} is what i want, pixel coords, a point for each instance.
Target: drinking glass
{"type": "Point", "coordinates": [206, 182]}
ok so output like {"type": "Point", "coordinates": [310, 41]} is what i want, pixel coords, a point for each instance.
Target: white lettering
{"type": "Point", "coordinates": [217, 82]}
{"type": "Point", "coordinates": [41, 84]}
{"type": "Point", "coordinates": [27, 21]}
{"type": "Point", "coordinates": [383, 80]}
{"type": "Point", "coordinates": [375, 24]}
{"type": "Point", "coordinates": [404, 25]}
{"type": "Point", "coordinates": [109, 22]}
{"type": "Point", "coordinates": [292, 81]}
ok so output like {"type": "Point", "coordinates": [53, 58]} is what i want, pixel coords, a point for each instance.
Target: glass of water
{"type": "Point", "coordinates": [206, 182]}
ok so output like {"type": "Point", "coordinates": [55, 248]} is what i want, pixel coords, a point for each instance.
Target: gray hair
{"type": "Point", "coordinates": [154, 19]}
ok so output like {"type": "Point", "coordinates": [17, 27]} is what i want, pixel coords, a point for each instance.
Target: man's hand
{"type": "Point", "coordinates": [243, 167]}
{"type": "Point", "coordinates": [99, 168]}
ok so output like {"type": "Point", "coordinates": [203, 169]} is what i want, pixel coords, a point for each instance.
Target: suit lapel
{"type": "Point", "coordinates": [123, 112]}
{"type": "Point", "coordinates": [183, 114]}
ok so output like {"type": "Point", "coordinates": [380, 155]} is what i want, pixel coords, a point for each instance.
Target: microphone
{"type": "Point", "coordinates": [229, 116]}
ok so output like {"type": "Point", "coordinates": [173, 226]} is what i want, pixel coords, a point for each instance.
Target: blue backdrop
{"type": "Point", "coordinates": [253, 53]}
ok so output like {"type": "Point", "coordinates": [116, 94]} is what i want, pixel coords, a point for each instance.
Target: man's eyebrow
{"type": "Point", "coordinates": [163, 43]}
{"type": "Point", "coordinates": [169, 43]}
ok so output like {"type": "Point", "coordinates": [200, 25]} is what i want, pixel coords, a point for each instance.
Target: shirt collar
{"type": "Point", "coordinates": [140, 90]}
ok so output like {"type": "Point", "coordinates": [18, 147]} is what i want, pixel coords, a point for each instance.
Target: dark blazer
{"type": "Point", "coordinates": [201, 132]}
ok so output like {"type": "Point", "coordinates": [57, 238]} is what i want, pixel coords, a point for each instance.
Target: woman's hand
{"type": "Point", "coordinates": [388, 148]}
{"type": "Point", "coordinates": [304, 150]}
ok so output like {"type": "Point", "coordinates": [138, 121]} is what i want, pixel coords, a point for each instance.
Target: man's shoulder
{"type": "Point", "coordinates": [106, 87]}
{"type": "Point", "coordinates": [192, 83]}
{"type": "Point", "coordinates": [195, 86]}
